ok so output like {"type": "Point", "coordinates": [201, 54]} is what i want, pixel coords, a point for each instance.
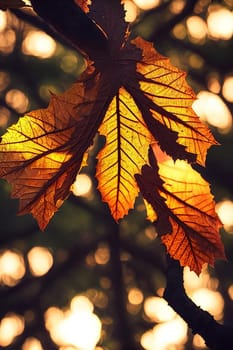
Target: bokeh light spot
{"type": "Point", "coordinates": [225, 212]}
{"type": "Point", "coordinates": [147, 4]}
{"type": "Point", "coordinates": [40, 260]}
{"type": "Point", "coordinates": [17, 100]}
{"type": "Point", "coordinates": [32, 344]}
{"type": "Point", "coordinates": [220, 22]}
{"type": "Point", "coordinates": [82, 185]}
{"type": "Point", "coordinates": [131, 11]}
{"type": "Point", "coordinates": [158, 310]}
{"type": "Point", "coordinates": [197, 27]}
{"type": "Point", "coordinates": [39, 44]}
{"type": "Point", "coordinates": [208, 300]}
{"type": "Point", "coordinates": [78, 326]}
{"type": "Point", "coordinates": [11, 326]}
{"type": "Point", "coordinates": [227, 88]}
{"type": "Point", "coordinates": [164, 336]}
{"type": "Point", "coordinates": [135, 296]}
{"type": "Point", "coordinates": [213, 110]}
{"type": "Point", "coordinates": [12, 267]}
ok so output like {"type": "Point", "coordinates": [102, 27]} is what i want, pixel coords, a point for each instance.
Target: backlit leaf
{"type": "Point", "coordinates": [134, 98]}
{"type": "Point", "coordinates": [125, 152]}
{"type": "Point", "coordinates": [184, 197]}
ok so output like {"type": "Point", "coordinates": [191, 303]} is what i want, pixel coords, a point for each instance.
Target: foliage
{"type": "Point", "coordinates": [82, 228]}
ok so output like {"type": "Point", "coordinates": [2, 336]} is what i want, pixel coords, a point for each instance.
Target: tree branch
{"type": "Point", "coordinates": [216, 336]}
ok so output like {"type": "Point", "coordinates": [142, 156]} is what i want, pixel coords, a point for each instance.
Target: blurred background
{"type": "Point", "coordinates": [87, 283]}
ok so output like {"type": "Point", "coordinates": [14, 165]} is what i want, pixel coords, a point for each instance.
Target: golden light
{"type": "Point", "coordinates": [82, 185]}
{"type": "Point", "coordinates": [230, 291]}
{"type": "Point", "coordinates": [39, 44]}
{"type": "Point", "coordinates": [135, 296]}
{"type": "Point", "coordinates": [164, 336]}
{"type": "Point", "coordinates": [177, 6]}
{"type": "Point", "coordinates": [220, 22]}
{"type": "Point", "coordinates": [17, 100]}
{"type": "Point", "coordinates": [227, 89]}
{"type": "Point", "coordinates": [7, 41]}
{"type": "Point", "coordinates": [32, 344]}
{"type": "Point", "coordinates": [198, 342]}
{"type": "Point", "coordinates": [214, 84]}
{"type": "Point", "coordinates": [131, 11]}
{"type": "Point", "coordinates": [4, 117]}
{"type": "Point", "coordinates": [197, 27]}
{"type": "Point", "coordinates": [4, 80]}
{"type": "Point", "coordinates": [40, 260]}
{"type": "Point", "coordinates": [146, 4]}
{"type": "Point", "coordinates": [102, 255]}
{"type": "Point", "coordinates": [209, 300]}
{"type": "Point", "coordinates": [78, 326]}
{"type": "Point", "coordinates": [11, 326]}
{"type": "Point", "coordinates": [12, 267]}
{"type": "Point", "coordinates": [158, 310]}
{"type": "Point", "coordinates": [213, 110]}
{"type": "Point", "coordinates": [3, 20]}
{"type": "Point", "coordinates": [224, 210]}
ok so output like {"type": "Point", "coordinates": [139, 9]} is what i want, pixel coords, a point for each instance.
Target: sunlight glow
{"type": "Point", "coordinates": [227, 88]}
{"type": "Point", "coordinates": [102, 255]}
{"type": "Point", "coordinates": [220, 22]}
{"type": "Point", "coordinates": [11, 326]}
{"type": "Point", "coordinates": [32, 344]}
{"type": "Point", "coordinates": [12, 267]}
{"type": "Point", "coordinates": [135, 296]}
{"type": "Point", "coordinates": [225, 213]}
{"type": "Point", "coordinates": [158, 310]}
{"type": "Point", "coordinates": [17, 100]}
{"type": "Point", "coordinates": [208, 300]}
{"type": "Point", "coordinates": [164, 335]}
{"type": "Point", "coordinates": [7, 41]}
{"type": "Point", "coordinates": [82, 185]}
{"type": "Point", "coordinates": [213, 110]}
{"type": "Point", "coordinates": [197, 27]}
{"type": "Point", "coordinates": [131, 11]}
{"type": "Point", "coordinates": [39, 44]}
{"type": "Point", "coordinates": [147, 4]}
{"type": "Point", "coordinates": [3, 20]}
{"type": "Point", "coordinates": [198, 342]}
{"type": "Point", "coordinates": [40, 260]}
{"type": "Point", "coordinates": [78, 326]}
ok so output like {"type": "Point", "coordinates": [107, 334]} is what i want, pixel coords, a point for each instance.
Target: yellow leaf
{"type": "Point", "coordinates": [126, 149]}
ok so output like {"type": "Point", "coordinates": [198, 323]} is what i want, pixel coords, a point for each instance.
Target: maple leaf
{"type": "Point", "coordinates": [132, 96]}
{"type": "Point", "coordinates": [9, 4]}
{"type": "Point", "coordinates": [187, 222]}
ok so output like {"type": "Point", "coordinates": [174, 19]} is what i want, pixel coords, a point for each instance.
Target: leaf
{"type": "Point", "coordinates": [127, 142]}
{"type": "Point", "coordinates": [42, 153]}
{"type": "Point", "coordinates": [7, 4]}
{"type": "Point", "coordinates": [185, 199]}
{"type": "Point", "coordinates": [135, 98]}
{"type": "Point", "coordinates": [168, 99]}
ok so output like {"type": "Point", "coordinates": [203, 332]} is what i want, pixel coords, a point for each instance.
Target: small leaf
{"type": "Point", "coordinates": [189, 208]}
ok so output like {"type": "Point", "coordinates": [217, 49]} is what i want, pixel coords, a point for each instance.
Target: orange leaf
{"type": "Point", "coordinates": [169, 101]}
{"type": "Point", "coordinates": [188, 206]}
